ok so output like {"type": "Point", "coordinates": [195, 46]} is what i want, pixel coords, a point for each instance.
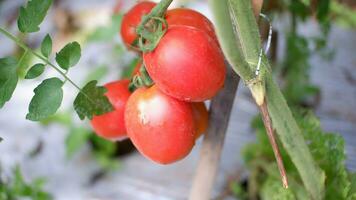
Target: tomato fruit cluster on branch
{"type": "Point", "coordinates": [164, 118]}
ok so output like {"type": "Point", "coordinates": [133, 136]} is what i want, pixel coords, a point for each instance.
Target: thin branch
{"type": "Point", "coordinates": [272, 139]}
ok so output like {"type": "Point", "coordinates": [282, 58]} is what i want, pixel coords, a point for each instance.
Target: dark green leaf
{"type": "Point", "coordinates": [32, 15]}
{"type": "Point", "coordinates": [8, 78]}
{"type": "Point", "coordinates": [91, 101]}
{"type": "Point", "coordinates": [46, 46]}
{"type": "Point", "coordinates": [75, 140]}
{"type": "Point", "coordinates": [69, 55]}
{"type": "Point", "coordinates": [48, 97]}
{"type": "Point", "coordinates": [1, 139]}
{"type": "Point", "coordinates": [35, 71]}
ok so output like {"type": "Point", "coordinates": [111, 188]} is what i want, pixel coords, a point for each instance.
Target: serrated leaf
{"type": "Point", "coordinates": [75, 140]}
{"type": "Point", "coordinates": [32, 15]}
{"type": "Point", "coordinates": [35, 71]}
{"type": "Point", "coordinates": [46, 46]}
{"type": "Point", "coordinates": [69, 55]}
{"type": "Point", "coordinates": [47, 99]}
{"type": "Point", "coordinates": [92, 101]}
{"type": "Point", "coordinates": [8, 79]}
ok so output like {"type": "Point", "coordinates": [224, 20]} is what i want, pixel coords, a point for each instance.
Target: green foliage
{"type": "Point", "coordinates": [107, 33]}
{"type": "Point", "coordinates": [128, 71]}
{"type": "Point", "coordinates": [35, 71]}
{"type": "Point", "coordinates": [327, 150]}
{"type": "Point", "coordinates": [296, 70]}
{"type": "Point", "coordinates": [77, 137]}
{"type": "Point", "coordinates": [18, 188]}
{"type": "Point", "coordinates": [46, 46]}
{"type": "Point", "coordinates": [32, 15]}
{"type": "Point", "coordinates": [42, 104]}
{"type": "Point", "coordinates": [69, 55]}
{"type": "Point", "coordinates": [343, 15]}
{"type": "Point", "coordinates": [8, 79]}
{"type": "Point", "coordinates": [24, 63]}
{"type": "Point", "coordinates": [86, 107]}
{"type": "Point", "coordinates": [104, 152]}
{"type": "Point", "coordinates": [97, 73]}
{"type": "Point", "coordinates": [272, 189]}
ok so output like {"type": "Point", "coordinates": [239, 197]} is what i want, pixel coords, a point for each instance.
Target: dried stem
{"type": "Point", "coordinates": [268, 124]}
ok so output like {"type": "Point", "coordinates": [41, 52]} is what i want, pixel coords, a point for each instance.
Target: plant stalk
{"type": "Point", "coordinates": [268, 124]}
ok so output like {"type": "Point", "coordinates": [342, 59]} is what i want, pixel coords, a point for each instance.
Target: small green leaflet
{"type": "Point", "coordinates": [35, 71]}
{"type": "Point", "coordinates": [69, 55]}
{"type": "Point", "coordinates": [32, 15]}
{"type": "Point", "coordinates": [91, 101]}
{"type": "Point", "coordinates": [46, 46]}
{"type": "Point", "coordinates": [8, 78]}
{"type": "Point", "coordinates": [48, 97]}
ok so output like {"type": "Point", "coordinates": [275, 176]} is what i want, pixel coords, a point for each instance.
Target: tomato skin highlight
{"type": "Point", "coordinates": [187, 64]}
{"type": "Point", "coordinates": [161, 127]}
{"type": "Point", "coordinates": [111, 125]}
{"type": "Point", "coordinates": [192, 18]}
{"type": "Point", "coordinates": [132, 19]}
{"type": "Point", "coordinates": [201, 118]}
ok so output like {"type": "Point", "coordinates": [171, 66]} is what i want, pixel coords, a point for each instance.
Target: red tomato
{"type": "Point", "coordinates": [161, 127]}
{"type": "Point", "coordinates": [188, 17]}
{"type": "Point", "coordinates": [187, 64]}
{"type": "Point", "coordinates": [112, 125]}
{"type": "Point", "coordinates": [132, 19]}
{"type": "Point", "coordinates": [201, 118]}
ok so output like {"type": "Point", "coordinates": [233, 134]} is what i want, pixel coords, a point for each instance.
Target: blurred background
{"type": "Point", "coordinates": [313, 51]}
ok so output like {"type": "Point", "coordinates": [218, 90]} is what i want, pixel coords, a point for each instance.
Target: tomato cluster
{"type": "Point", "coordinates": [187, 67]}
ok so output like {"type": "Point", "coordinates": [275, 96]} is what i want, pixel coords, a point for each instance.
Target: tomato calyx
{"type": "Point", "coordinates": [152, 27]}
{"type": "Point", "coordinates": [141, 79]}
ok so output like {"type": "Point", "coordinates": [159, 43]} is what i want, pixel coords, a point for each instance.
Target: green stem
{"type": "Point", "coordinates": [27, 49]}
{"type": "Point", "coordinates": [45, 60]}
{"type": "Point", "coordinates": [157, 11]}
{"type": "Point", "coordinates": [237, 31]}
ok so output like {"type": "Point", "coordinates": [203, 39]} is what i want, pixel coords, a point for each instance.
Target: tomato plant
{"type": "Point", "coordinates": [187, 64]}
{"type": "Point", "coordinates": [111, 125]}
{"type": "Point", "coordinates": [162, 128]}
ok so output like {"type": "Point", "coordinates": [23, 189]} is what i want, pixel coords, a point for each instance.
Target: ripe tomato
{"type": "Point", "coordinates": [188, 17]}
{"type": "Point", "coordinates": [201, 118]}
{"type": "Point", "coordinates": [132, 19]}
{"type": "Point", "coordinates": [112, 125]}
{"type": "Point", "coordinates": [161, 127]}
{"type": "Point", "coordinates": [186, 64]}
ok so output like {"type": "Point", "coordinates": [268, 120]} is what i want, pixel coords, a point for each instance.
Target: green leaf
{"type": "Point", "coordinates": [32, 15]}
{"type": "Point", "coordinates": [91, 101]}
{"type": "Point", "coordinates": [75, 140]}
{"type": "Point", "coordinates": [35, 71]}
{"type": "Point", "coordinates": [273, 190]}
{"type": "Point", "coordinates": [8, 78]}
{"type": "Point", "coordinates": [69, 55]}
{"type": "Point", "coordinates": [48, 97]}
{"type": "Point", "coordinates": [46, 46]}
{"type": "Point", "coordinates": [1, 139]}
